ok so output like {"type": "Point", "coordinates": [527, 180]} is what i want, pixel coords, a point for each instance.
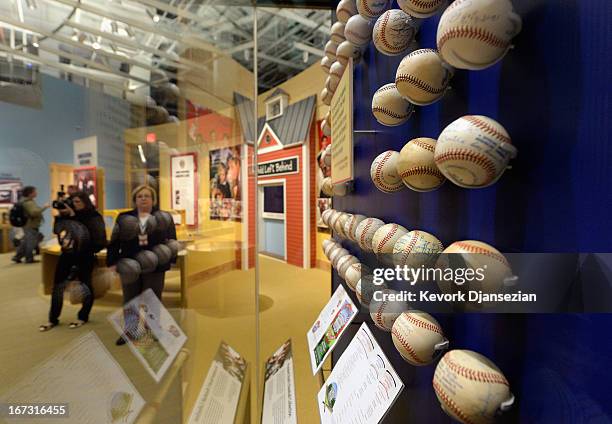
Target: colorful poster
{"type": "Point", "coordinates": [363, 385]}
{"type": "Point", "coordinates": [217, 402]}
{"type": "Point", "coordinates": [85, 180]}
{"type": "Point", "coordinates": [329, 327]}
{"type": "Point", "coordinates": [225, 188]}
{"type": "Point", "coordinates": [85, 378]}
{"type": "Point", "coordinates": [152, 334]}
{"type": "Point", "coordinates": [279, 388]}
{"type": "Point", "coordinates": [184, 185]}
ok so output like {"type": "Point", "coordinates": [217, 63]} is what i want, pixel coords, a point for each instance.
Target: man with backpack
{"type": "Point", "coordinates": [27, 214]}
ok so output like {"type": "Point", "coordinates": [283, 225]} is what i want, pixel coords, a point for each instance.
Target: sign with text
{"type": "Point", "coordinates": [184, 185]}
{"type": "Point", "coordinates": [279, 388]}
{"type": "Point", "coordinates": [363, 385]}
{"type": "Point", "coordinates": [86, 151]}
{"type": "Point", "coordinates": [342, 128]}
{"type": "Point", "coordinates": [279, 167]}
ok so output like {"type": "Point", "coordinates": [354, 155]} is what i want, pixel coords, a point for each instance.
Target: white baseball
{"type": "Point", "coordinates": [326, 63]}
{"type": "Point", "coordinates": [326, 214]}
{"type": "Point", "coordinates": [327, 155]}
{"type": "Point", "coordinates": [358, 30]}
{"type": "Point", "coordinates": [365, 232]}
{"type": "Point", "coordinates": [325, 127]}
{"type": "Point", "coordinates": [353, 274]}
{"type": "Point", "coordinates": [333, 220]}
{"type": "Point", "coordinates": [385, 237]}
{"type": "Point", "coordinates": [330, 50]}
{"type": "Point", "coordinates": [416, 248]}
{"type": "Point", "coordinates": [389, 107]}
{"type": "Point", "coordinates": [336, 71]}
{"type": "Point", "coordinates": [417, 336]}
{"type": "Point", "coordinates": [326, 96]}
{"type": "Point", "coordinates": [332, 249]}
{"type": "Point", "coordinates": [383, 172]}
{"type": "Point", "coordinates": [384, 312]}
{"type": "Point", "coordinates": [420, 8]}
{"type": "Point", "coordinates": [331, 83]}
{"type": "Point", "coordinates": [346, 9]}
{"type": "Point", "coordinates": [470, 387]}
{"type": "Point", "coordinates": [327, 116]}
{"type": "Point", "coordinates": [344, 263]}
{"type": "Point", "coordinates": [393, 32]}
{"type": "Point", "coordinates": [326, 186]}
{"type": "Point", "coordinates": [371, 9]}
{"type": "Point", "coordinates": [476, 34]}
{"type": "Point", "coordinates": [337, 32]}
{"type": "Point", "coordinates": [416, 166]}
{"type": "Point", "coordinates": [473, 151]}
{"type": "Point", "coordinates": [346, 50]}
{"type": "Point", "coordinates": [339, 224]}
{"type": "Point", "coordinates": [336, 254]}
{"type": "Point", "coordinates": [327, 243]}
{"type": "Point", "coordinates": [330, 246]}
{"type": "Point", "coordinates": [422, 77]}
{"type": "Point", "coordinates": [351, 226]}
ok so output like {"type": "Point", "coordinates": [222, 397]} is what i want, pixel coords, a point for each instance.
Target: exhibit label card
{"type": "Point", "coordinates": [184, 185]}
{"type": "Point", "coordinates": [362, 386]}
{"type": "Point", "coordinates": [218, 399]}
{"type": "Point", "coordinates": [85, 377]}
{"type": "Point", "coordinates": [155, 336]}
{"type": "Point", "coordinates": [342, 128]}
{"type": "Point", "coordinates": [279, 388]}
{"type": "Point", "coordinates": [329, 326]}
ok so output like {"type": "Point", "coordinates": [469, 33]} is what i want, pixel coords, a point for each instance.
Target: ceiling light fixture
{"type": "Point", "coordinates": [154, 16]}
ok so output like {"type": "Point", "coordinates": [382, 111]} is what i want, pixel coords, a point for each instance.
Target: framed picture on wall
{"type": "Point", "coordinates": [85, 180]}
{"type": "Point", "coordinates": [225, 188]}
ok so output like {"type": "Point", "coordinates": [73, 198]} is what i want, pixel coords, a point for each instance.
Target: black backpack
{"type": "Point", "coordinates": [17, 215]}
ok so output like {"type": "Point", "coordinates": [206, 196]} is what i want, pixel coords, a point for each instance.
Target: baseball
{"type": "Point", "coordinates": [337, 32]}
{"type": "Point", "coordinates": [331, 83]}
{"type": "Point", "coordinates": [344, 263]}
{"type": "Point", "coordinates": [326, 96]}
{"type": "Point", "coordinates": [353, 274]}
{"type": "Point", "coordinates": [389, 107]}
{"type": "Point", "coordinates": [473, 151]}
{"type": "Point", "coordinates": [331, 222]}
{"type": "Point", "coordinates": [365, 232]}
{"type": "Point", "coordinates": [326, 214]}
{"type": "Point", "coordinates": [336, 71]}
{"type": "Point", "coordinates": [325, 127]}
{"type": "Point", "coordinates": [420, 8]}
{"type": "Point", "coordinates": [330, 246]}
{"type": "Point", "coordinates": [332, 249]}
{"type": "Point", "coordinates": [470, 388]}
{"type": "Point", "coordinates": [336, 254]}
{"type": "Point", "coordinates": [330, 50]}
{"type": "Point", "coordinates": [416, 166]}
{"type": "Point", "coordinates": [417, 248]}
{"type": "Point", "coordinates": [327, 155]}
{"type": "Point", "coordinates": [327, 116]}
{"type": "Point", "coordinates": [372, 9]}
{"type": "Point", "coordinates": [418, 337]}
{"type": "Point", "coordinates": [476, 34]}
{"type": "Point", "coordinates": [358, 31]}
{"type": "Point", "coordinates": [346, 50]}
{"type": "Point", "coordinates": [385, 238]}
{"type": "Point", "coordinates": [385, 312]}
{"type": "Point", "coordinates": [346, 9]}
{"type": "Point", "coordinates": [384, 172]}
{"type": "Point", "coordinates": [422, 77]}
{"type": "Point", "coordinates": [340, 222]}
{"type": "Point", "coordinates": [393, 32]}
{"type": "Point", "coordinates": [327, 243]}
{"type": "Point", "coordinates": [326, 63]}
{"type": "Point", "coordinates": [326, 186]}
{"type": "Point", "coordinates": [351, 225]}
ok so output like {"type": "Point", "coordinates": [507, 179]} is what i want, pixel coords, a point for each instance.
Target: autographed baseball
{"type": "Point", "coordinates": [326, 214]}
{"type": "Point", "coordinates": [470, 387]}
{"type": "Point", "coordinates": [326, 186]}
{"type": "Point", "coordinates": [358, 30]}
{"type": "Point", "coordinates": [325, 127]}
{"type": "Point", "coordinates": [337, 32]}
{"type": "Point", "coordinates": [333, 218]}
{"type": "Point", "coordinates": [326, 63]}
{"type": "Point", "coordinates": [372, 9]}
{"type": "Point", "coordinates": [385, 237]}
{"type": "Point", "coordinates": [418, 337]}
{"type": "Point", "coordinates": [384, 312]}
{"type": "Point", "coordinates": [393, 32]}
{"type": "Point", "coordinates": [416, 166]}
{"type": "Point", "coordinates": [330, 50]}
{"type": "Point", "coordinates": [389, 107]}
{"type": "Point", "coordinates": [327, 153]}
{"type": "Point", "coordinates": [346, 9]}
{"type": "Point", "coordinates": [365, 232]}
{"type": "Point", "coordinates": [344, 263]}
{"type": "Point", "coordinates": [336, 254]}
{"type": "Point", "coordinates": [340, 222]}
{"type": "Point", "coordinates": [327, 243]}
{"type": "Point", "coordinates": [346, 50]}
{"type": "Point", "coordinates": [353, 274]}
{"type": "Point", "coordinates": [422, 77]}
{"type": "Point", "coordinates": [330, 246]}
{"type": "Point", "coordinates": [416, 248]}
{"type": "Point", "coordinates": [420, 8]}
{"type": "Point", "coordinates": [331, 84]}
{"type": "Point", "coordinates": [383, 172]}
{"type": "Point", "coordinates": [476, 34]}
{"type": "Point", "coordinates": [326, 96]}
{"type": "Point", "coordinates": [336, 71]}
{"type": "Point", "coordinates": [351, 225]}
{"type": "Point", "coordinates": [473, 151]}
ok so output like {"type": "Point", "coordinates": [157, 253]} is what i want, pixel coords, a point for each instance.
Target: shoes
{"type": "Point", "coordinates": [16, 259]}
{"type": "Point", "coordinates": [77, 324]}
{"type": "Point", "coordinates": [120, 341]}
{"type": "Point", "coordinates": [46, 327]}
{"type": "Point", "coordinates": [31, 261]}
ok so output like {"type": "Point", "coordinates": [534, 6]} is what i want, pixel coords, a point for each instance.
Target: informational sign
{"type": "Point", "coordinates": [362, 386]}
{"type": "Point", "coordinates": [342, 128]}
{"type": "Point", "coordinates": [85, 151]}
{"type": "Point", "coordinates": [152, 334]}
{"type": "Point", "coordinates": [279, 167]}
{"type": "Point", "coordinates": [329, 326]}
{"type": "Point", "coordinates": [218, 399]}
{"type": "Point", "coordinates": [85, 378]}
{"type": "Point", "coordinates": [184, 185]}
{"type": "Point", "coordinates": [279, 388]}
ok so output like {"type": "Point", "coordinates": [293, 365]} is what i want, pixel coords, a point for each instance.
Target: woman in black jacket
{"type": "Point", "coordinates": [78, 255]}
{"type": "Point", "coordinates": [127, 244]}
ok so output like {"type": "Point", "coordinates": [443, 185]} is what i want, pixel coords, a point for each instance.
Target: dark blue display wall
{"type": "Point", "coordinates": [551, 92]}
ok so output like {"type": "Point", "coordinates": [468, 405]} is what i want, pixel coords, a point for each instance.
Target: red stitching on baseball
{"type": "Point", "coordinates": [423, 170]}
{"type": "Point", "coordinates": [422, 324]}
{"type": "Point", "coordinates": [411, 79]}
{"type": "Point", "coordinates": [390, 112]}
{"type": "Point", "coordinates": [406, 346]}
{"type": "Point", "coordinates": [377, 176]}
{"type": "Point", "coordinates": [482, 376]}
{"type": "Point", "coordinates": [442, 395]}
{"type": "Point", "coordinates": [487, 128]}
{"type": "Point", "coordinates": [388, 237]}
{"type": "Point", "coordinates": [426, 4]}
{"type": "Point", "coordinates": [379, 313]}
{"type": "Point", "coordinates": [381, 31]}
{"type": "Point", "coordinates": [466, 155]}
{"type": "Point", "coordinates": [366, 227]}
{"type": "Point", "coordinates": [424, 145]}
{"type": "Point", "coordinates": [408, 249]}
{"type": "Point", "coordinates": [364, 3]}
{"type": "Point", "coordinates": [386, 88]}
{"type": "Point", "coordinates": [475, 33]}
{"type": "Point", "coordinates": [482, 251]}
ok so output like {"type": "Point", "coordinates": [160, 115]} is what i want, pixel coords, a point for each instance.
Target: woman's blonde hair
{"type": "Point", "coordinates": [141, 188]}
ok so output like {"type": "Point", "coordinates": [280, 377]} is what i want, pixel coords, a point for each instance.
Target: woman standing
{"type": "Point", "coordinates": [77, 259]}
{"type": "Point", "coordinates": [127, 243]}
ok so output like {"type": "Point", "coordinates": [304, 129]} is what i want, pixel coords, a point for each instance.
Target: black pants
{"type": "Point", "coordinates": [153, 281]}
{"type": "Point", "coordinates": [84, 264]}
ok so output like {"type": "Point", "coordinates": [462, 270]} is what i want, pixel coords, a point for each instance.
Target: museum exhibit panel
{"type": "Point", "coordinates": [347, 211]}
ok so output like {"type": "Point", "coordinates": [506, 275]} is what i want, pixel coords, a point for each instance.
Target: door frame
{"type": "Point", "coordinates": [260, 213]}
